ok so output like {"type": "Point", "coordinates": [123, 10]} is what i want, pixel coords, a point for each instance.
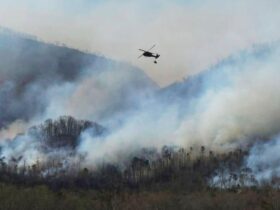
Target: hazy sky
{"type": "Point", "coordinates": [191, 35]}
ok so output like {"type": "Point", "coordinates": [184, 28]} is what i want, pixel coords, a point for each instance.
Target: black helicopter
{"type": "Point", "coordinates": [147, 53]}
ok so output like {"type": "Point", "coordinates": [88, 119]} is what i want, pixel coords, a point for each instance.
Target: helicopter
{"type": "Point", "coordinates": [147, 53]}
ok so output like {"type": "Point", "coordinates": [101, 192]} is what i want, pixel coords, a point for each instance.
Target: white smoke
{"type": "Point", "coordinates": [239, 102]}
{"type": "Point", "coordinates": [264, 159]}
{"type": "Point", "coordinates": [101, 95]}
{"type": "Point", "coordinates": [228, 106]}
{"type": "Point", "coordinates": [15, 128]}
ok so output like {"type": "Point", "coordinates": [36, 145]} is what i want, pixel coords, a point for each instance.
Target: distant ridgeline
{"type": "Point", "coordinates": [4, 31]}
{"type": "Point", "coordinates": [9, 32]}
{"type": "Point", "coordinates": [30, 69]}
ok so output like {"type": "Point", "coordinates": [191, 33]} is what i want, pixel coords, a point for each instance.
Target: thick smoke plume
{"type": "Point", "coordinates": [36, 78]}
{"type": "Point", "coordinates": [264, 159]}
{"type": "Point", "coordinates": [232, 104]}
{"type": "Point", "coordinates": [229, 106]}
{"type": "Point", "coordinates": [41, 81]}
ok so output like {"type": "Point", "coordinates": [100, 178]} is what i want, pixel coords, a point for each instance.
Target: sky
{"type": "Point", "coordinates": [190, 35]}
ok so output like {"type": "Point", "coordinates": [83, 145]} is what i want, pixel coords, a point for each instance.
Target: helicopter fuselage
{"type": "Point", "coordinates": [149, 54]}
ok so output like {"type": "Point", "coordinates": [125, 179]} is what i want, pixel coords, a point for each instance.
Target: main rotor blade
{"type": "Point", "coordinates": [151, 47]}
{"type": "Point", "coordinates": [142, 50]}
{"type": "Point", "coordinates": [140, 56]}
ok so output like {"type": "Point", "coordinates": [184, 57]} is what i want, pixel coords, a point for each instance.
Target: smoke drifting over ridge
{"type": "Point", "coordinates": [33, 72]}
{"type": "Point", "coordinates": [227, 106]}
